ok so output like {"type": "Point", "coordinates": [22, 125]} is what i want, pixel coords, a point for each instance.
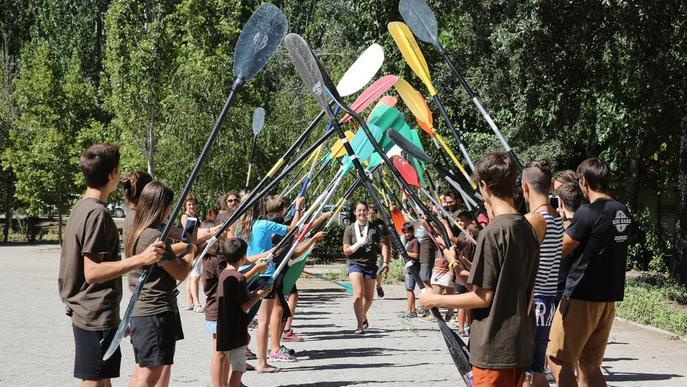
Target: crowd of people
{"type": "Point", "coordinates": [532, 289]}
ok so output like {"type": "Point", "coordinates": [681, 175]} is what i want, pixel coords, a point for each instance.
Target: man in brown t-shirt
{"type": "Point", "coordinates": [89, 282]}
{"type": "Point", "coordinates": [502, 276]}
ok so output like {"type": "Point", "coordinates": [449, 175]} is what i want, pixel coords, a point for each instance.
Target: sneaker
{"type": "Point", "coordinates": [281, 356]}
{"type": "Point", "coordinates": [198, 308]}
{"type": "Point", "coordinates": [380, 292]}
{"type": "Point", "coordinates": [290, 336]}
{"type": "Point", "coordinates": [250, 355]}
{"type": "Point", "coordinates": [411, 315]}
{"type": "Point", "coordinates": [253, 324]}
{"type": "Point", "coordinates": [189, 307]}
{"type": "Point", "coordinates": [428, 318]}
{"type": "Point", "coordinates": [288, 351]}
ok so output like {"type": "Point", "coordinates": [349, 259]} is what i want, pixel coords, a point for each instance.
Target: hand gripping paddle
{"type": "Point", "coordinates": [413, 56]}
{"type": "Point", "coordinates": [421, 20]}
{"type": "Point", "coordinates": [258, 123]}
{"type": "Point", "coordinates": [258, 41]}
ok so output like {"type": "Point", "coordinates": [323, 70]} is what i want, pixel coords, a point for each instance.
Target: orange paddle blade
{"type": "Point", "coordinates": [398, 220]}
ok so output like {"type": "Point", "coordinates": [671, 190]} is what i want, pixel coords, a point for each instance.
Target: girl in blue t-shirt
{"type": "Point", "coordinates": [257, 232]}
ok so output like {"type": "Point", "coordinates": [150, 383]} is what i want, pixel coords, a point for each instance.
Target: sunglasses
{"type": "Point", "coordinates": [232, 200]}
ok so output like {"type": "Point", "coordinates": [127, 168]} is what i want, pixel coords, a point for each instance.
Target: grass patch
{"type": "Point", "coordinates": [396, 272]}
{"type": "Point", "coordinates": [654, 299]}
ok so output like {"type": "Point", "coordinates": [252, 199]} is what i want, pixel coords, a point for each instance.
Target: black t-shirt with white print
{"type": "Point", "coordinates": [598, 269]}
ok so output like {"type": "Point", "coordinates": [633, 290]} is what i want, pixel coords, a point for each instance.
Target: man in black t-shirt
{"type": "Point", "coordinates": [598, 239]}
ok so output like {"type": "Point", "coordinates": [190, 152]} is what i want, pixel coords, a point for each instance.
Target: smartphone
{"type": "Point", "coordinates": [554, 201]}
{"type": "Point", "coordinates": [189, 234]}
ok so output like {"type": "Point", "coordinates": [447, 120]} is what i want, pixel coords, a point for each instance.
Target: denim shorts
{"type": "Point", "coordinates": [370, 273]}
{"type": "Point", "coordinates": [210, 326]}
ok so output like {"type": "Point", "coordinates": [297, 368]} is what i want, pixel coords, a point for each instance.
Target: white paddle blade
{"type": "Point", "coordinates": [258, 120]}
{"type": "Point", "coordinates": [361, 71]}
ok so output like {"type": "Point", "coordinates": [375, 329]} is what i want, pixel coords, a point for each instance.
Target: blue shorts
{"type": "Point", "coordinates": [210, 326]}
{"type": "Point", "coordinates": [370, 273]}
{"type": "Point", "coordinates": [410, 281]}
{"type": "Point", "coordinates": [544, 309]}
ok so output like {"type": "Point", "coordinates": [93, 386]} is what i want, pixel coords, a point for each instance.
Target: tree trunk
{"type": "Point", "coordinates": [679, 266]}
{"type": "Point", "coordinates": [632, 187]}
{"type": "Point", "coordinates": [60, 209]}
{"type": "Point", "coordinates": [150, 156]}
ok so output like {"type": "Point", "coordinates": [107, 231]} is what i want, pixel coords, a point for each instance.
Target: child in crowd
{"type": "Point", "coordinates": [412, 246]}
{"type": "Point", "coordinates": [233, 303]}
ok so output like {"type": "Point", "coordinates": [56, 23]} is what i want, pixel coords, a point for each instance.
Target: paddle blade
{"type": "Point", "coordinates": [406, 170]}
{"type": "Point", "coordinates": [411, 53]}
{"type": "Point", "coordinates": [415, 103]}
{"type": "Point", "coordinates": [338, 149]}
{"type": "Point", "coordinates": [420, 18]}
{"type": "Point", "coordinates": [361, 71]}
{"type": "Point", "coordinates": [306, 65]}
{"type": "Point", "coordinates": [398, 220]}
{"type": "Point", "coordinates": [376, 90]}
{"type": "Point", "coordinates": [388, 101]}
{"type": "Point", "coordinates": [259, 40]}
{"type": "Point", "coordinates": [408, 147]}
{"type": "Point", "coordinates": [258, 120]}
{"type": "Point", "coordinates": [427, 126]}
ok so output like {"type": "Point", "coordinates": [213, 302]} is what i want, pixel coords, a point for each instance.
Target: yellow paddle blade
{"type": "Point", "coordinates": [411, 53]}
{"type": "Point", "coordinates": [414, 102]}
{"type": "Point", "coordinates": [427, 126]}
{"type": "Point", "coordinates": [338, 149]}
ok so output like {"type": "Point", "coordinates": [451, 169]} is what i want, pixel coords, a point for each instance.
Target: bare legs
{"type": "Point", "coordinates": [264, 316]}
{"type": "Point", "coordinates": [363, 295]}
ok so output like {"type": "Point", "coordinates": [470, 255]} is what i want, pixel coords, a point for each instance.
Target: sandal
{"type": "Point", "coordinates": [359, 331]}
{"type": "Point", "coordinates": [365, 324]}
{"type": "Point", "coordinates": [269, 370]}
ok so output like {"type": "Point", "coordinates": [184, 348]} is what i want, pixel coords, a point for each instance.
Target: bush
{"type": "Point", "coordinates": [650, 249]}
{"type": "Point", "coordinates": [329, 249]}
{"type": "Point", "coordinates": [396, 272]}
{"type": "Point", "coordinates": [651, 300]}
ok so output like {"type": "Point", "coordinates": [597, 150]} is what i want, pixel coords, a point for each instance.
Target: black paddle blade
{"type": "Point", "coordinates": [259, 40]}
{"type": "Point", "coordinates": [407, 146]}
{"type": "Point", "coordinates": [420, 18]}
{"type": "Point", "coordinates": [327, 80]}
{"type": "Point", "coordinates": [258, 120]}
{"type": "Point", "coordinates": [306, 65]}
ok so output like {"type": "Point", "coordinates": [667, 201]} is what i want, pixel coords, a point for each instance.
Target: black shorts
{"type": "Point", "coordinates": [88, 357]}
{"type": "Point", "coordinates": [154, 338]}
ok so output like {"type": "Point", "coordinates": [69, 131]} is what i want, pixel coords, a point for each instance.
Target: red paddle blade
{"type": "Point", "coordinates": [371, 94]}
{"type": "Point", "coordinates": [398, 220]}
{"type": "Point", "coordinates": [406, 170]}
{"type": "Point", "coordinates": [426, 126]}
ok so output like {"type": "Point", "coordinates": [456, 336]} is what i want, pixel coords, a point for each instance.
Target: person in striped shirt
{"type": "Point", "coordinates": [548, 225]}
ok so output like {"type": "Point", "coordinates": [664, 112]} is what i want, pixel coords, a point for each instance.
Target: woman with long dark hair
{"type": "Point", "coordinates": [155, 326]}
{"type": "Point", "coordinates": [362, 242]}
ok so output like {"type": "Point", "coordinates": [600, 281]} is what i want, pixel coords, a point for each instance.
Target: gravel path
{"type": "Point", "coordinates": [36, 348]}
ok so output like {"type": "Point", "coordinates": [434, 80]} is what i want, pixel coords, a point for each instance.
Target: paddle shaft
{"type": "Point", "coordinates": [454, 132]}
{"type": "Point", "coordinates": [250, 162]}
{"type": "Point", "coordinates": [395, 238]}
{"type": "Point", "coordinates": [114, 344]}
{"type": "Point", "coordinates": [478, 104]}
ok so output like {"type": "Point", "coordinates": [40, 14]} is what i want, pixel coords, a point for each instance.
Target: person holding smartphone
{"type": "Point", "coordinates": [192, 283]}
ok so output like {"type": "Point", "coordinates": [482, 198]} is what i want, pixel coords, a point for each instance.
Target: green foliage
{"type": "Point", "coordinates": [651, 300]}
{"type": "Point", "coordinates": [397, 272]}
{"type": "Point", "coordinates": [330, 248]}
{"type": "Point", "coordinates": [650, 248]}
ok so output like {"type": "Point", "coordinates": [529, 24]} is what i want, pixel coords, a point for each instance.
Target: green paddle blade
{"type": "Point", "coordinates": [419, 165]}
{"type": "Point", "coordinates": [362, 146]}
{"type": "Point", "coordinates": [261, 36]}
